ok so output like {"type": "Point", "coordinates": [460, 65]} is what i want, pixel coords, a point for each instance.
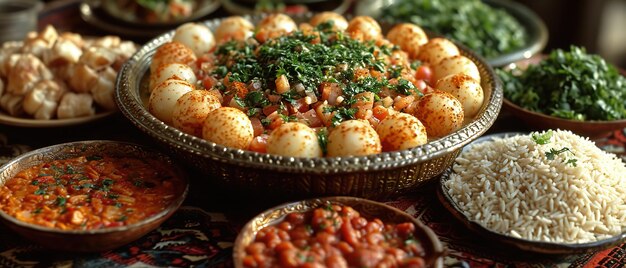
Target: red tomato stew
{"type": "Point", "coordinates": [335, 236]}
{"type": "Point", "coordinates": [93, 192]}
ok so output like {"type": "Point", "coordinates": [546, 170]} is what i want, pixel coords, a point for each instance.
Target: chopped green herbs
{"type": "Point", "coordinates": [569, 84]}
{"type": "Point", "coordinates": [487, 30]}
{"type": "Point", "coordinates": [406, 87]}
{"type": "Point", "coordinates": [107, 182]}
{"type": "Point", "coordinates": [322, 139]}
{"type": "Point", "coordinates": [542, 139]}
{"type": "Point", "coordinates": [122, 218]}
{"type": "Point", "coordinates": [340, 114]}
{"type": "Point", "coordinates": [61, 201]}
{"type": "Point", "coordinates": [307, 61]}
{"type": "Point", "coordinates": [138, 183]}
{"type": "Point", "coordinates": [550, 155]}
{"type": "Point", "coordinates": [572, 162]}
{"type": "Point", "coordinates": [256, 99]}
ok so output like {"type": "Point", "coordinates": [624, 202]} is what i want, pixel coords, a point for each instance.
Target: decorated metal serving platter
{"type": "Point", "coordinates": [374, 176]}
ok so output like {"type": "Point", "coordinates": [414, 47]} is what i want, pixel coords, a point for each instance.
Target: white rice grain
{"type": "Point", "coordinates": [511, 187]}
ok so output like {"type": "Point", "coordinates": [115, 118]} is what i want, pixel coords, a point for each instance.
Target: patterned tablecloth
{"type": "Point", "coordinates": [195, 237]}
{"type": "Point", "coordinates": [201, 234]}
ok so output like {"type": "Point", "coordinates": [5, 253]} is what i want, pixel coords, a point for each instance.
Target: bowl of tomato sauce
{"type": "Point", "coordinates": [92, 195]}
{"type": "Point", "coordinates": [336, 232]}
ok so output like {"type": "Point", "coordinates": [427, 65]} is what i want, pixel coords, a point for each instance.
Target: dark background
{"type": "Point", "coordinates": [598, 25]}
{"type": "Point", "coordinates": [584, 23]}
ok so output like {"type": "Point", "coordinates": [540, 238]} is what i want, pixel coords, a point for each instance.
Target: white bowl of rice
{"type": "Point", "coordinates": [550, 192]}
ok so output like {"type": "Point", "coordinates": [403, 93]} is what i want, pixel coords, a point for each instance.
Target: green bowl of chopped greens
{"type": "Point", "coordinates": [501, 31]}
{"type": "Point", "coordinates": [570, 90]}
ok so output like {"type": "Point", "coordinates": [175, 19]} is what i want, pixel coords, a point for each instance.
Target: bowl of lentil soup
{"type": "Point", "coordinates": [241, 169]}
{"type": "Point", "coordinates": [92, 195]}
{"type": "Point", "coordinates": [345, 231]}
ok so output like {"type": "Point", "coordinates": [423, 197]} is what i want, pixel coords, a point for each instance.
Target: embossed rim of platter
{"type": "Point", "coordinates": [129, 101]}
{"type": "Point", "coordinates": [274, 214]}
{"type": "Point", "coordinates": [75, 149]}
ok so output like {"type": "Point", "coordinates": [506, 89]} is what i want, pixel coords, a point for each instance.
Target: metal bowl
{"type": "Point", "coordinates": [369, 209]}
{"type": "Point", "coordinates": [537, 32]}
{"type": "Point", "coordinates": [541, 121]}
{"type": "Point", "coordinates": [376, 176]}
{"type": "Point", "coordinates": [88, 240]}
{"type": "Point", "coordinates": [528, 245]}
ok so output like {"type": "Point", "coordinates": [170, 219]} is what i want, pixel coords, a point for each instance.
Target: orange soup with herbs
{"type": "Point", "coordinates": [90, 192]}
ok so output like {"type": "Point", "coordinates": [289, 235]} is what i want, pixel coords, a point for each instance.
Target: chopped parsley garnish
{"type": "Point", "coordinates": [37, 210]}
{"type": "Point", "coordinates": [410, 240]}
{"type": "Point", "coordinates": [488, 30]}
{"type": "Point", "coordinates": [572, 161]}
{"type": "Point", "coordinates": [406, 87]}
{"type": "Point", "coordinates": [294, 56]}
{"type": "Point", "coordinates": [550, 155]}
{"type": "Point", "coordinates": [70, 170]}
{"type": "Point", "coordinates": [107, 182]}
{"type": "Point", "coordinates": [569, 84]}
{"type": "Point", "coordinates": [138, 183]}
{"type": "Point", "coordinates": [256, 99]}
{"type": "Point", "coordinates": [122, 218]}
{"type": "Point", "coordinates": [61, 201]}
{"type": "Point", "coordinates": [239, 101]}
{"type": "Point", "coordinates": [366, 84]}
{"type": "Point", "coordinates": [322, 139]}
{"type": "Point", "coordinates": [542, 139]}
{"type": "Point", "coordinates": [40, 191]}
{"type": "Point", "coordinates": [340, 114]}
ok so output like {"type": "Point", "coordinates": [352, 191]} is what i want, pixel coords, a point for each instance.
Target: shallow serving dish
{"type": "Point", "coordinates": [97, 239]}
{"type": "Point", "coordinates": [523, 244]}
{"type": "Point", "coordinates": [31, 122]}
{"type": "Point", "coordinates": [376, 176]}
{"type": "Point", "coordinates": [537, 32]}
{"type": "Point", "coordinates": [248, 6]}
{"type": "Point", "coordinates": [200, 9]}
{"type": "Point", "coordinates": [535, 28]}
{"type": "Point", "coordinates": [369, 209]}
{"type": "Point", "coordinates": [537, 120]}
{"type": "Point", "coordinates": [591, 129]}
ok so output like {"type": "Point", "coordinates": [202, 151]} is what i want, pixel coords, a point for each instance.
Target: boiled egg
{"type": "Point", "coordinates": [353, 137]}
{"type": "Point", "coordinates": [192, 108]}
{"type": "Point", "coordinates": [409, 37]}
{"type": "Point", "coordinates": [177, 71]}
{"type": "Point", "coordinates": [196, 36]}
{"type": "Point", "coordinates": [454, 65]}
{"type": "Point", "coordinates": [401, 131]}
{"type": "Point", "coordinates": [440, 112]}
{"type": "Point", "coordinates": [229, 127]}
{"type": "Point", "coordinates": [294, 139]}
{"type": "Point", "coordinates": [164, 96]}
{"type": "Point", "coordinates": [466, 89]}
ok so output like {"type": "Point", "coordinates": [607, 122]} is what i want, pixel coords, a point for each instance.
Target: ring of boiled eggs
{"type": "Point", "coordinates": [180, 98]}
